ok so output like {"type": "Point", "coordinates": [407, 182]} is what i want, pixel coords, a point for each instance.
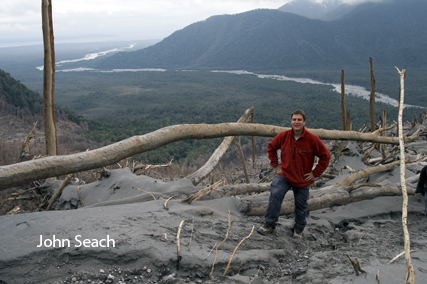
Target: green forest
{"type": "Point", "coordinates": [16, 93]}
{"type": "Point", "coordinates": [123, 104]}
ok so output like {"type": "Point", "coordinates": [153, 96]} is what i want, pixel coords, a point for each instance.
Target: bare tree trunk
{"type": "Point", "coordinates": [240, 189]}
{"type": "Point", "coordinates": [372, 98]}
{"type": "Point", "coordinates": [365, 173]}
{"type": "Point", "coordinates": [343, 112]}
{"type": "Point", "coordinates": [253, 143]}
{"type": "Point", "coordinates": [256, 205]}
{"type": "Point", "coordinates": [242, 158]}
{"type": "Point", "coordinates": [208, 167]}
{"type": "Point", "coordinates": [49, 79]}
{"type": "Point", "coordinates": [382, 133]}
{"type": "Point", "coordinates": [17, 174]}
{"type": "Point", "coordinates": [25, 148]}
{"type": "Point", "coordinates": [335, 195]}
{"type": "Point", "coordinates": [410, 273]}
{"type": "Point", "coordinates": [348, 121]}
{"type": "Point", "coordinates": [59, 191]}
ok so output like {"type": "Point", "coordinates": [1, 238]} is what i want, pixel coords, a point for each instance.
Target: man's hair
{"type": "Point", "coordinates": [300, 112]}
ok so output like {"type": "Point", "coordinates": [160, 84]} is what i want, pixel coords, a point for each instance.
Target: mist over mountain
{"type": "Point", "coordinates": [392, 33]}
{"type": "Point", "coordinates": [312, 9]}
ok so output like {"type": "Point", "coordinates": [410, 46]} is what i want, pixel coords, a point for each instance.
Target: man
{"type": "Point", "coordinates": [421, 187]}
{"type": "Point", "coordinates": [298, 148]}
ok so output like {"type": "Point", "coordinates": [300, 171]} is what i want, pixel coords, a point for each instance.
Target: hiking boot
{"type": "Point", "coordinates": [297, 236]}
{"type": "Point", "coordinates": [298, 233]}
{"type": "Point", "coordinates": [265, 229]}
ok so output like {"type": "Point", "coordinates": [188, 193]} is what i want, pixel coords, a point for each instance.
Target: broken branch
{"type": "Point", "coordinates": [226, 236]}
{"type": "Point", "coordinates": [234, 252]}
{"type": "Point", "coordinates": [59, 191]}
{"type": "Point", "coordinates": [165, 205]}
{"type": "Point", "coordinates": [202, 192]}
{"type": "Point", "coordinates": [147, 192]}
{"type": "Point", "coordinates": [356, 265]}
{"type": "Point", "coordinates": [399, 255]}
{"type": "Point", "coordinates": [178, 249]}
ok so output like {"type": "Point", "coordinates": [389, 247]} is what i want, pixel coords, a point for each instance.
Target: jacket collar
{"type": "Point", "coordinates": [302, 135]}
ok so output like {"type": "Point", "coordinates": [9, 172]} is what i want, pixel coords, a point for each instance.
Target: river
{"type": "Point", "coordinates": [352, 90]}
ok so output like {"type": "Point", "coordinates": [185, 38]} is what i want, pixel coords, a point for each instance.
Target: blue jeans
{"type": "Point", "coordinates": [425, 201]}
{"type": "Point", "coordinates": [279, 188]}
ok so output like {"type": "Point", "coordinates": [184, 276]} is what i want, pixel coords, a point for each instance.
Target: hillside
{"type": "Point", "coordinates": [17, 94]}
{"type": "Point", "coordinates": [20, 108]}
{"type": "Point", "coordinates": [392, 33]}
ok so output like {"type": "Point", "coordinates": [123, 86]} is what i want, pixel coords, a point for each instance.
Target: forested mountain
{"type": "Point", "coordinates": [17, 94]}
{"type": "Point", "coordinates": [14, 93]}
{"type": "Point", "coordinates": [391, 32]}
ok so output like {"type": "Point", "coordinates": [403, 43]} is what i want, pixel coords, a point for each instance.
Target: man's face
{"type": "Point", "coordinates": [297, 122]}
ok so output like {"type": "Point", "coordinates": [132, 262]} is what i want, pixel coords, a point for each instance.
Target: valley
{"type": "Point", "coordinates": [118, 105]}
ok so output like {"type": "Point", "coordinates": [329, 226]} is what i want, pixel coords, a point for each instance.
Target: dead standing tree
{"type": "Point", "coordinates": [49, 79]}
{"type": "Point", "coordinates": [410, 273]}
{"type": "Point", "coordinates": [343, 112]}
{"type": "Point", "coordinates": [372, 98]}
{"type": "Point", "coordinates": [383, 126]}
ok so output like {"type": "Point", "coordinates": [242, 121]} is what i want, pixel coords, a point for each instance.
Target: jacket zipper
{"type": "Point", "coordinates": [295, 147]}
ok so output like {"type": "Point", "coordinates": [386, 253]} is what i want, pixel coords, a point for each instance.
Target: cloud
{"type": "Point", "coordinates": [137, 19]}
{"type": "Point", "coordinates": [93, 20]}
{"type": "Point", "coordinates": [150, 16]}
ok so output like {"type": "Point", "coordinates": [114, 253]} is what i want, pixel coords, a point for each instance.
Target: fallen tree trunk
{"type": "Point", "coordinates": [319, 199]}
{"type": "Point", "coordinates": [369, 171]}
{"type": "Point", "coordinates": [331, 196]}
{"type": "Point", "coordinates": [238, 189]}
{"type": "Point", "coordinates": [254, 188]}
{"type": "Point", "coordinates": [368, 192]}
{"type": "Point", "coordinates": [335, 195]}
{"type": "Point", "coordinates": [53, 166]}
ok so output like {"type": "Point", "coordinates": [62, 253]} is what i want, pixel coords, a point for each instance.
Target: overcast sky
{"type": "Point", "coordinates": [101, 20]}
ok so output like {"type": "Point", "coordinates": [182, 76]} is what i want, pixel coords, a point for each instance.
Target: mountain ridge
{"type": "Point", "coordinates": [312, 9]}
{"type": "Point", "coordinates": [266, 39]}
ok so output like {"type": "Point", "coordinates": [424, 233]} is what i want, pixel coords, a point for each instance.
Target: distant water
{"type": "Point", "coordinates": [112, 71]}
{"type": "Point", "coordinates": [89, 56]}
{"type": "Point", "coordinates": [353, 90]}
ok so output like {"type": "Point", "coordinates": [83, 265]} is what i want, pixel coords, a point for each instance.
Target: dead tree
{"type": "Point", "coordinates": [25, 148]}
{"type": "Point", "coordinates": [382, 133]}
{"type": "Point", "coordinates": [49, 79]}
{"type": "Point", "coordinates": [348, 121]}
{"type": "Point", "coordinates": [372, 98]}
{"type": "Point", "coordinates": [343, 112]}
{"type": "Point", "coordinates": [410, 273]}
{"type": "Point", "coordinates": [242, 158]}
{"type": "Point", "coordinates": [336, 195]}
{"type": "Point", "coordinates": [204, 171]}
{"type": "Point", "coordinates": [365, 173]}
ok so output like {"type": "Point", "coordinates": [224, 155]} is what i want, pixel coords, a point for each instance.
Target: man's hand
{"type": "Point", "coordinates": [278, 169]}
{"type": "Point", "coordinates": [418, 197]}
{"type": "Point", "coordinates": [309, 176]}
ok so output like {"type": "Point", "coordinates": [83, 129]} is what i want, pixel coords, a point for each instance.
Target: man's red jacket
{"type": "Point", "coordinates": [297, 156]}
